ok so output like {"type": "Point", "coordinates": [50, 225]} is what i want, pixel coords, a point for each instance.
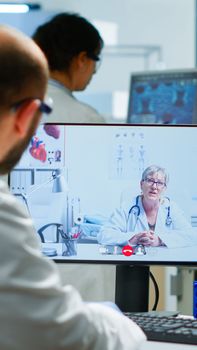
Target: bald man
{"type": "Point", "coordinates": [36, 311]}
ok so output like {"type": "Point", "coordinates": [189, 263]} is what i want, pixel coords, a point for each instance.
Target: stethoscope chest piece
{"type": "Point", "coordinates": [168, 221]}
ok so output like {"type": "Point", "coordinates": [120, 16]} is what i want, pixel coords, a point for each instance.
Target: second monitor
{"type": "Point", "coordinates": [163, 97]}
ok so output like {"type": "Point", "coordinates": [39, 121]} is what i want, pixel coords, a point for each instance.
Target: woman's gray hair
{"type": "Point", "coordinates": [152, 169]}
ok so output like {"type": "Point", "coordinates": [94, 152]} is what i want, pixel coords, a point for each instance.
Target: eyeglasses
{"type": "Point", "coordinates": [95, 58]}
{"type": "Point", "coordinates": [45, 107]}
{"type": "Point", "coordinates": [151, 182]}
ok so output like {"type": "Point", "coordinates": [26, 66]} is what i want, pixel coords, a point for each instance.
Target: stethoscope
{"type": "Point", "coordinates": [135, 209]}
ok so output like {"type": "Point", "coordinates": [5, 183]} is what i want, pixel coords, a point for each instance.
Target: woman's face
{"type": "Point", "coordinates": [153, 186]}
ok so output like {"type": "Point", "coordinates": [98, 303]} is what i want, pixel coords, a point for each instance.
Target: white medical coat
{"type": "Point", "coordinates": [67, 109]}
{"type": "Point", "coordinates": [37, 312]}
{"type": "Point", "coordinates": [123, 226]}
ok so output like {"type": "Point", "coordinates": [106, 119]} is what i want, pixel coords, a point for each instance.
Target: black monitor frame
{"type": "Point", "coordinates": [132, 281]}
{"type": "Point", "coordinates": [132, 278]}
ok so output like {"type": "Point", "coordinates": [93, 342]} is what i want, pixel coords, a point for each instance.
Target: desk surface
{"type": "Point", "coordinates": [150, 345]}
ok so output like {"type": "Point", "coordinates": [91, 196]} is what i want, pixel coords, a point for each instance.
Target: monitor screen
{"type": "Point", "coordinates": [163, 97]}
{"type": "Point", "coordinates": [112, 193]}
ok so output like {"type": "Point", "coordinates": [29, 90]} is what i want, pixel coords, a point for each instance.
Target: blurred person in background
{"type": "Point", "coordinates": [72, 46]}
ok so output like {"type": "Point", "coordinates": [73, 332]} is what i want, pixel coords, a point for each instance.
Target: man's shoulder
{"type": "Point", "coordinates": [5, 196]}
{"type": "Point", "coordinates": [89, 112]}
{"type": "Point", "coordinates": [10, 207]}
{"type": "Point", "coordinates": [68, 109]}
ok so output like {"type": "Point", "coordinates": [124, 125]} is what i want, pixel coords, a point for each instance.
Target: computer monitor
{"type": "Point", "coordinates": [163, 97]}
{"type": "Point", "coordinates": [73, 177]}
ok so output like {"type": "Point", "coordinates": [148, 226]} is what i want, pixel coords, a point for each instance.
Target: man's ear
{"type": "Point", "coordinates": [24, 116]}
{"type": "Point", "coordinates": [82, 60]}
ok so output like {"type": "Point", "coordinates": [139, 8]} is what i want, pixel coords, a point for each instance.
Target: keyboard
{"type": "Point", "coordinates": [166, 329]}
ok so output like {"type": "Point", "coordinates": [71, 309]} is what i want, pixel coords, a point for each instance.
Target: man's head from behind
{"type": "Point", "coordinates": [23, 80]}
{"type": "Point", "coordinates": [65, 36]}
{"type": "Point", "coordinates": [66, 39]}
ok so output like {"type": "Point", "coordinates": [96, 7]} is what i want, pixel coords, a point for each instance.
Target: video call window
{"type": "Point", "coordinates": [83, 187]}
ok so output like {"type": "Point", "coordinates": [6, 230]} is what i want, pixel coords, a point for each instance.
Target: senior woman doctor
{"type": "Point", "coordinates": [150, 219]}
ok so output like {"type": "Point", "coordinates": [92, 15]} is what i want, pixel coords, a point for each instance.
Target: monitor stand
{"type": "Point", "coordinates": [132, 288]}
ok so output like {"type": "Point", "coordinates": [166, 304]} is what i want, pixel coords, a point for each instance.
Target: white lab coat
{"type": "Point", "coordinates": [37, 312]}
{"type": "Point", "coordinates": [67, 109]}
{"type": "Point", "coordinates": [122, 226]}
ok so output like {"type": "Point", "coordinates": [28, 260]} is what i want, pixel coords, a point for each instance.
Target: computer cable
{"type": "Point", "coordinates": [156, 288]}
